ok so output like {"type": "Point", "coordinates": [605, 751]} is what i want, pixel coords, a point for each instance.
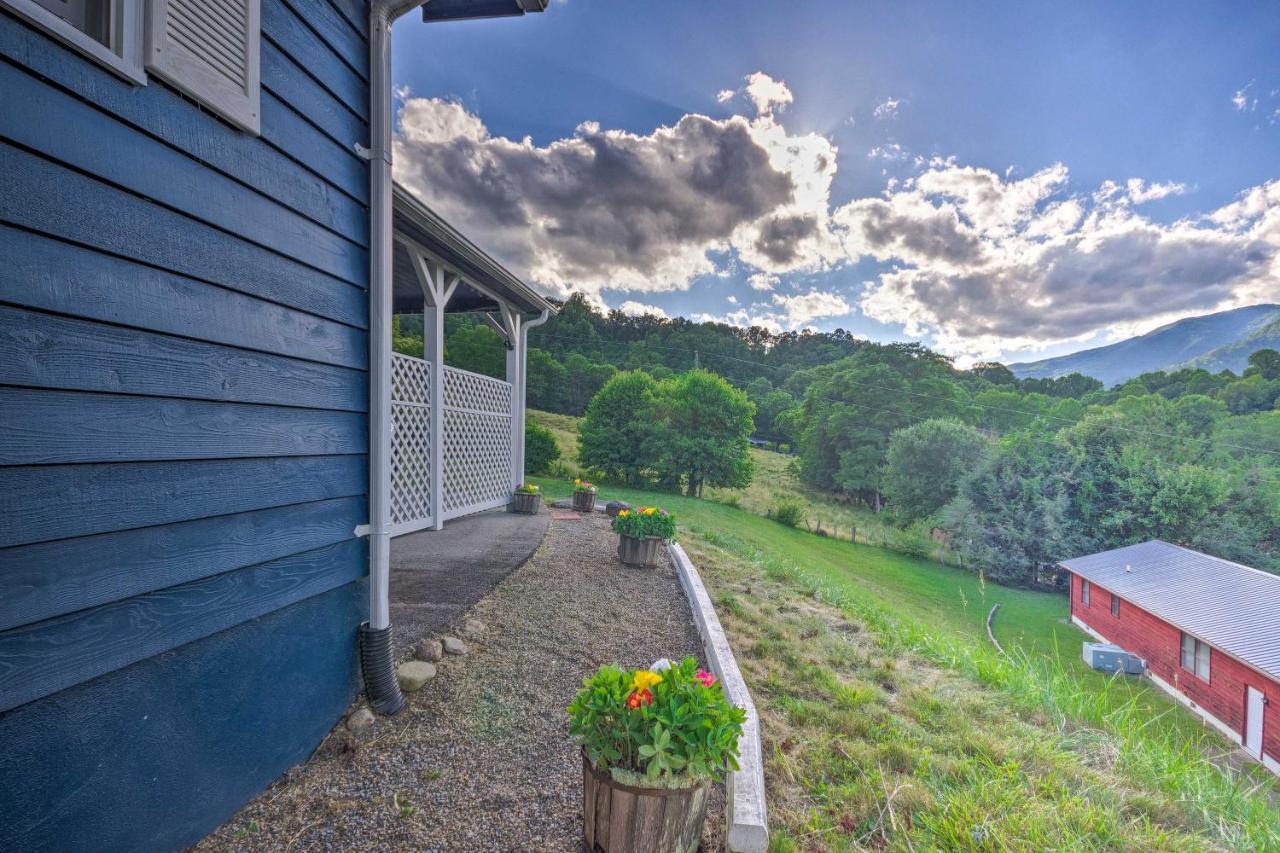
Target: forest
{"type": "Point", "coordinates": [1013, 474]}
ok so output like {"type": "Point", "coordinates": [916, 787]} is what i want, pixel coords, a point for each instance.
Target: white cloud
{"type": "Point", "coordinates": [1243, 100]}
{"type": "Point", "coordinates": [785, 313]}
{"type": "Point", "coordinates": [803, 308]}
{"type": "Point", "coordinates": [976, 259]}
{"type": "Point", "coordinates": [888, 108]}
{"type": "Point", "coordinates": [766, 93]}
{"type": "Point", "coordinates": [890, 151]}
{"type": "Point", "coordinates": [724, 96]}
{"type": "Point", "coordinates": [639, 309]}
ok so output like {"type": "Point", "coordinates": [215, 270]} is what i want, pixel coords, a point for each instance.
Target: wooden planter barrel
{"type": "Point", "coordinates": [639, 550]}
{"type": "Point", "coordinates": [619, 818]}
{"type": "Point", "coordinates": [526, 504]}
{"type": "Point", "coordinates": [584, 501]}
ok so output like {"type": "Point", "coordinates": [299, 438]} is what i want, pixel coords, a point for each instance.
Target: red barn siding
{"type": "Point", "coordinates": [1159, 643]}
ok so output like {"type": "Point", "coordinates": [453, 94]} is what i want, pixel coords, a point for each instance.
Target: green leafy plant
{"type": "Point", "coordinates": [540, 450]}
{"type": "Point", "coordinates": [584, 487]}
{"type": "Point", "coordinates": [645, 521]}
{"type": "Point", "coordinates": [789, 511]}
{"type": "Point", "coordinates": [669, 724]}
{"type": "Point", "coordinates": [527, 489]}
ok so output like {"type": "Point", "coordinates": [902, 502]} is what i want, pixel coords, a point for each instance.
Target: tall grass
{"type": "Point", "coordinates": [1229, 805]}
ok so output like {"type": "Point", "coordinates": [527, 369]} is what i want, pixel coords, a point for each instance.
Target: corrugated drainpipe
{"type": "Point", "coordinates": [376, 663]}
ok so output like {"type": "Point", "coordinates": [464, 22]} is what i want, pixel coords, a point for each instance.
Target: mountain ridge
{"type": "Point", "coordinates": [1219, 341]}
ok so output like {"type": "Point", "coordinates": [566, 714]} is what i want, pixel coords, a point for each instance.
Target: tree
{"type": "Point", "coordinates": [540, 448]}
{"type": "Point", "coordinates": [853, 406]}
{"type": "Point", "coordinates": [1012, 517]}
{"type": "Point", "coordinates": [616, 436]}
{"type": "Point", "coordinates": [478, 349]}
{"type": "Point", "coordinates": [705, 425]}
{"type": "Point", "coordinates": [768, 406]}
{"type": "Point", "coordinates": [583, 379]}
{"type": "Point", "coordinates": [544, 381]}
{"type": "Point", "coordinates": [926, 463]}
{"type": "Point", "coordinates": [403, 342]}
{"type": "Point", "coordinates": [1266, 362]}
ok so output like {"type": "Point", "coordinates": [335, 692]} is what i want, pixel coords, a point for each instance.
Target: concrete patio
{"type": "Point", "coordinates": [436, 575]}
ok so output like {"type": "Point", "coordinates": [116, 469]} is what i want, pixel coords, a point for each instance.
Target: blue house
{"type": "Point", "coordinates": [202, 454]}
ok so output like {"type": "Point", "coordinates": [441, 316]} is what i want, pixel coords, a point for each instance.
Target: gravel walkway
{"type": "Point", "coordinates": [481, 758]}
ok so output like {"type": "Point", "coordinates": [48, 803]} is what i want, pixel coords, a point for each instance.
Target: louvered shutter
{"type": "Point", "coordinates": [209, 49]}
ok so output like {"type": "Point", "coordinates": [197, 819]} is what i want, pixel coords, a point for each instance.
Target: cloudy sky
{"type": "Point", "coordinates": [1014, 183]}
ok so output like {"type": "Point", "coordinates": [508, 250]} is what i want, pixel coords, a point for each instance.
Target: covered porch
{"type": "Point", "coordinates": [457, 437]}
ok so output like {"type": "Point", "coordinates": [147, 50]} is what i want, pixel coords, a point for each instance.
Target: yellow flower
{"type": "Point", "coordinates": [644, 679]}
{"type": "Point", "coordinates": [577, 481]}
{"type": "Point", "coordinates": [649, 510]}
{"type": "Point", "coordinates": [622, 513]}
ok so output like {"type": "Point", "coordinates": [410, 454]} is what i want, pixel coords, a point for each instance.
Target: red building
{"type": "Point", "coordinates": [1207, 629]}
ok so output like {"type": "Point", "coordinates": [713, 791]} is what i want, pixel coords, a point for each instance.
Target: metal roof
{"type": "Point", "coordinates": [1233, 608]}
{"type": "Point", "coordinates": [413, 219]}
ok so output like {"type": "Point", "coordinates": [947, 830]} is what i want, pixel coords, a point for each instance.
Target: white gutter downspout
{"type": "Point", "coordinates": [524, 383]}
{"type": "Point", "coordinates": [376, 662]}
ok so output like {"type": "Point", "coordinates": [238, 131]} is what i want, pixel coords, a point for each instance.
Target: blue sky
{"type": "Point", "coordinates": [948, 169]}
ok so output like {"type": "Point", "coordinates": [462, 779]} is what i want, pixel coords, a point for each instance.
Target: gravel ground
{"type": "Point", "coordinates": [481, 759]}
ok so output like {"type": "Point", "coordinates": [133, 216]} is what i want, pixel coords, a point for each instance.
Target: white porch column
{"type": "Point", "coordinates": [437, 286]}
{"type": "Point", "coordinates": [511, 323]}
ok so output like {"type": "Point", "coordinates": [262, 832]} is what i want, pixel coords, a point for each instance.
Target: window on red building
{"type": "Point", "coordinates": [1195, 656]}
{"type": "Point", "coordinates": [1084, 592]}
{"type": "Point", "coordinates": [1115, 604]}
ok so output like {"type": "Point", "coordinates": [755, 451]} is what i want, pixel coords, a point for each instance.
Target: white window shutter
{"type": "Point", "coordinates": [209, 49]}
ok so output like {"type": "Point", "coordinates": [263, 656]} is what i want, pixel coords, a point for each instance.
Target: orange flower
{"type": "Point", "coordinates": [640, 697]}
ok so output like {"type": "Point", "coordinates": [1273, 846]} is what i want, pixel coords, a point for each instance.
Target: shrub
{"type": "Point", "coordinates": [645, 521]}
{"type": "Point", "coordinates": [789, 511]}
{"type": "Point", "coordinates": [670, 725]}
{"type": "Point", "coordinates": [540, 449]}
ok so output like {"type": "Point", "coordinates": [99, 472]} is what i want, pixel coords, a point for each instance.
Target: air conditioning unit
{"type": "Point", "coordinates": [1108, 657]}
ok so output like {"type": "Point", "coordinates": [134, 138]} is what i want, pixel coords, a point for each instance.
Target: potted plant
{"type": "Point", "coordinates": [640, 532]}
{"type": "Point", "coordinates": [584, 496]}
{"type": "Point", "coordinates": [653, 740]}
{"type": "Point", "coordinates": [527, 499]}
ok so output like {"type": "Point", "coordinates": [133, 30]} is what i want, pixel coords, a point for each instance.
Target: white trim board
{"type": "Point", "coordinates": [747, 817]}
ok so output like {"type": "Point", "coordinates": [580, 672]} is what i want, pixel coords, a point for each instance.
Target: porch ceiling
{"type": "Point", "coordinates": [480, 272]}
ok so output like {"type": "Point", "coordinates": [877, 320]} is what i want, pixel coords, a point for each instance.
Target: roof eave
{"type": "Point", "coordinates": [491, 274]}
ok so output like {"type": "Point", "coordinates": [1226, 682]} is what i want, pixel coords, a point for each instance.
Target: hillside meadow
{"type": "Point", "coordinates": [890, 720]}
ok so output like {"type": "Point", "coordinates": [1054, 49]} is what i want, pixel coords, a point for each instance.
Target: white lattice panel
{"type": "Point", "coordinates": [477, 442]}
{"type": "Point", "coordinates": [410, 442]}
{"type": "Point", "coordinates": [477, 461]}
{"type": "Point", "coordinates": [476, 392]}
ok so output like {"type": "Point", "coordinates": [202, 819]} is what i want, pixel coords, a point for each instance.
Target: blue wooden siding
{"type": "Point", "coordinates": [183, 432]}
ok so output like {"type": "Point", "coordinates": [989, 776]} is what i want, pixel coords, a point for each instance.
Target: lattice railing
{"type": "Point", "coordinates": [477, 442]}
{"type": "Point", "coordinates": [410, 442]}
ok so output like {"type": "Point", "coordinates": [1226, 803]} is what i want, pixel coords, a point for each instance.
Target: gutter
{"type": "Point", "coordinates": [524, 377]}
{"type": "Point", "coordinates": [376, 664]}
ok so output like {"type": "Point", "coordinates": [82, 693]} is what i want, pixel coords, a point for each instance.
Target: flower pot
{"type": "Point", "coordinates": [527, 504]}
{"type": "Point", "coordinates": [584, 501]}
{"type": "Point", "coordinates": [618, 817]}
{"type": "Point", "coordinates": [638, 550]}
